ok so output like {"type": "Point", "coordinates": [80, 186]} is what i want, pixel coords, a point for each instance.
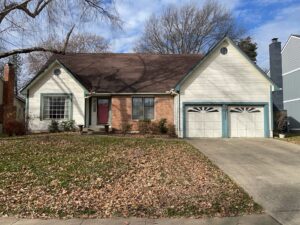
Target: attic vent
{"type": "Point", "coordinates": [224, 51]}
{"type": "Point", "coordinates": [57, 71]}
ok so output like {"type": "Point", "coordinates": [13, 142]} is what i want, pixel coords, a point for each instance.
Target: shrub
{"type": "Point", "coordinates": [68, 125]}
{"type": "Point", "coordinates": [282, 123]}
{"type": "Point", "coordinates": [15, 128]}
{"type": "Point", "coordinates": [172, 130]}
{"type": "Point", "coordinates": [53, 126]}
{"type": "Point", "coordinates": [163, 129]}
{"type": "Point", "coordinates": [144, 126]}
{"type": "Point", "coordinates": [154, 128]}
{"type": "Point", "coordinates": [126, 127]}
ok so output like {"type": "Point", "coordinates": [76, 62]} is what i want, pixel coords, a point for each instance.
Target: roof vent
{"type": "Point", "coordinates": [274, 40]}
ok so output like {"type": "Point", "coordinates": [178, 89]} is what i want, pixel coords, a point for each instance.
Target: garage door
{"type": "Point", "coordinates": [246, 121]}
{"type": "Point", "coordinates": [204, 121]}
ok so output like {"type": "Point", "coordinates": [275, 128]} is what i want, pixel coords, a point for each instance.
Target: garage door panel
{"type": "Point", "coordinates": [246, 121]}
{"type": "Point", "coordinates": [204, 121]}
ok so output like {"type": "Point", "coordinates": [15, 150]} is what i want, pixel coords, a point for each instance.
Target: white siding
{"type": "Point", "coordinates": [225, 78]}
{"type": "Point", "coordinates": [49, 84]}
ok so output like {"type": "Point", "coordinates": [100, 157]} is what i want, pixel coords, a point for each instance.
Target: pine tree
{"type": "Point", "coordinates": [249, 47]}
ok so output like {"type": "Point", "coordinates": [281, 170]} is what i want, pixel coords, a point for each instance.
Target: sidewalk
{"type": "Point", "coordinates": [244, 220]}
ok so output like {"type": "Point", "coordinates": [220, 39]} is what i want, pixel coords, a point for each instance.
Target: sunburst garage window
{"type": "Point", "coordinates": [56, 107]}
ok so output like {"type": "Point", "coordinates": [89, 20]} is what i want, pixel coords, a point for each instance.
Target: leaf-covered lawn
{"type": "Point", "coordinates": [293, 138]}
{"type": "Point", "coordinates": [94, 176]}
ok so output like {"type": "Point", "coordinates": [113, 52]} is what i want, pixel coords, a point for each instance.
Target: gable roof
{"type": "Point", "coordinates": [290, 37]}
{"type": "Point", "coordinates": [213, 50]}
{"type": "Point", "coordinates": [126, 73]}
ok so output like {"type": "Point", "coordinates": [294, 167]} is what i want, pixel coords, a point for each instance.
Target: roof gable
{"type": "Point", "coordinates": [44, 70]}
{"type": "Point", "coordinates": [294, 36]}
{"type": "Point", "coordinates": [213, 50]}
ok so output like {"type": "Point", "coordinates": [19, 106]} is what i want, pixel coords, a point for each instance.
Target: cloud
{"type": "Point", "coordinates": [284, 23]}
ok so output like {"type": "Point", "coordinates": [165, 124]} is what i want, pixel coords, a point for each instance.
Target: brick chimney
{"type": "Point", "coordinates": [9, 110]}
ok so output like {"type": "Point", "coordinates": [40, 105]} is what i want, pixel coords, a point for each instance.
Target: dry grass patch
{"type": "Point", "coordinates": [92, 176]}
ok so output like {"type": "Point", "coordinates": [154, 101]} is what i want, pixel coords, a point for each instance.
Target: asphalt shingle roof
{"type": "Point", "coordinates": [128, 73]}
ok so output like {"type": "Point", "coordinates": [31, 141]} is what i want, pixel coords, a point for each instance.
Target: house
{"type": "Point", "coordinates": [12, 107]}
{"type": "Point", "coordinates": [223, 94]}
{"type": "Point", "coordinates": [285, 71]}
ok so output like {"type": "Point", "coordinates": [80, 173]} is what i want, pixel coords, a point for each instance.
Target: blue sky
{"type": "Point", "coordinates": [263, 19]}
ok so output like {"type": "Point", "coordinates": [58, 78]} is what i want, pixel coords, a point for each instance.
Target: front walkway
{"type": "Point", "coordinates": [245, 220]}
{"type": "Point", "coordinates": [268, 169]}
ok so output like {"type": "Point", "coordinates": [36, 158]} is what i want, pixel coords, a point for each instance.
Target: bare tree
{"type": "Point", "coordinates": [78, 43]}
{"type": "Point", "coordinates": [22, 21]}
{"type": "Point", "coordinates": [188, 29]}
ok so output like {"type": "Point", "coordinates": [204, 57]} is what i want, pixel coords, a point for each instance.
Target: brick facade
{"type": "Point", "coordinates": [121, 109]}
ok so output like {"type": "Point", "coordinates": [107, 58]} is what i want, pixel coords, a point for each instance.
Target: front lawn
{"type": "Point", "coordinates": [67, 176]}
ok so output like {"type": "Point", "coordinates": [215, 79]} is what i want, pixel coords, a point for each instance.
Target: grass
{"type": "Point", "coordinates": [68, 175]}
{"type": "Point", "coordinates": [293, 137]}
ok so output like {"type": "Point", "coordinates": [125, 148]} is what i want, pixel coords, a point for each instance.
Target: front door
{"type": "Point", "coordinates": [103, 110]}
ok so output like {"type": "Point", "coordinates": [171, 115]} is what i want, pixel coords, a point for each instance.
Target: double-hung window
{"type": "Point", "coordinates": [142, 108]}
{"type": "Point", "coordinates": [56, 106]}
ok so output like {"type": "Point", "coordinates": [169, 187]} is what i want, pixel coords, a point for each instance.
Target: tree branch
{"type": "Point", "coordinates": [40, 49]}
{"type": "Point", "coordinates": [68, 38]}
{"type": "Point", "coordinates": [24, 7]}
{"type": "Point", "coordinates": [28, 50]}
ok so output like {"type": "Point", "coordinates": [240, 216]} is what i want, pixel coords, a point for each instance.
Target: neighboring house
{"type": "Point", "coordinates": [223, 94]}
{"type": "Point", "coordinates": [291, 80]}
{"type": "Point", "coordinates": [12, 107]}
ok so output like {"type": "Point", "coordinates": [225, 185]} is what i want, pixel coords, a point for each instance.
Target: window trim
{"type": "Point", "coordinates": [70, 95]}
{"type": "Point", "coordinates": [143, 97]}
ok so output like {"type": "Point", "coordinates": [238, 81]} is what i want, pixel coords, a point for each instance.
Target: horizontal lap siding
{"type": "Point", "coordinates": [291, 83]}
{"type": "Point", "coordinates": [293, 109]}
{"type": "Point", "coordinates": [225, 78]}
{"type": "Point", "coordinates": [50, 83]}
{"type": "Point", "coordinates": [291, 55]}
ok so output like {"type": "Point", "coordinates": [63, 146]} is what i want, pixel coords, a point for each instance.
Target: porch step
{"type": "Point", "coordinates": [94, 130]}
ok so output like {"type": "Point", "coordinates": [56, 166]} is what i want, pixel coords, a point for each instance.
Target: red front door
{"type": "Point", "coordinates": [103, 111]}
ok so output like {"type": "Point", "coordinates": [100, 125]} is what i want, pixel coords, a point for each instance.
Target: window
{"type": "Point", "coordinates": [56, 107]}
{"type": "Point", "coordinates": [142, 108]}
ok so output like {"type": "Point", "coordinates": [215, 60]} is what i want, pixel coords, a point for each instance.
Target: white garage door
{"type": "Point", "coordinates": [246, 121]}
{"type": "Point", "coordinates": [204, 121]}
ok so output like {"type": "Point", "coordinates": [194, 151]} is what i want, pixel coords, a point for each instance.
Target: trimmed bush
{"type": "Point", "coordinates": [53, 126]}
{"type": "Point", "coordinates": [126, 127]}
{"type": "Point", "coordinates": [68, 125]}
{"type": "Point", "coordinates": [162, 124]}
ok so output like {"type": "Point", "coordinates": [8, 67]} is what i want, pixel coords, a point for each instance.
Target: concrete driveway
{"type": "Point", "coordinates": [268, 169]}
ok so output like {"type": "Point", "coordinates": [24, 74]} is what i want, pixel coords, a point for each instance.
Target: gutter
{"type": "Point", "coordinates": [129, 93]}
